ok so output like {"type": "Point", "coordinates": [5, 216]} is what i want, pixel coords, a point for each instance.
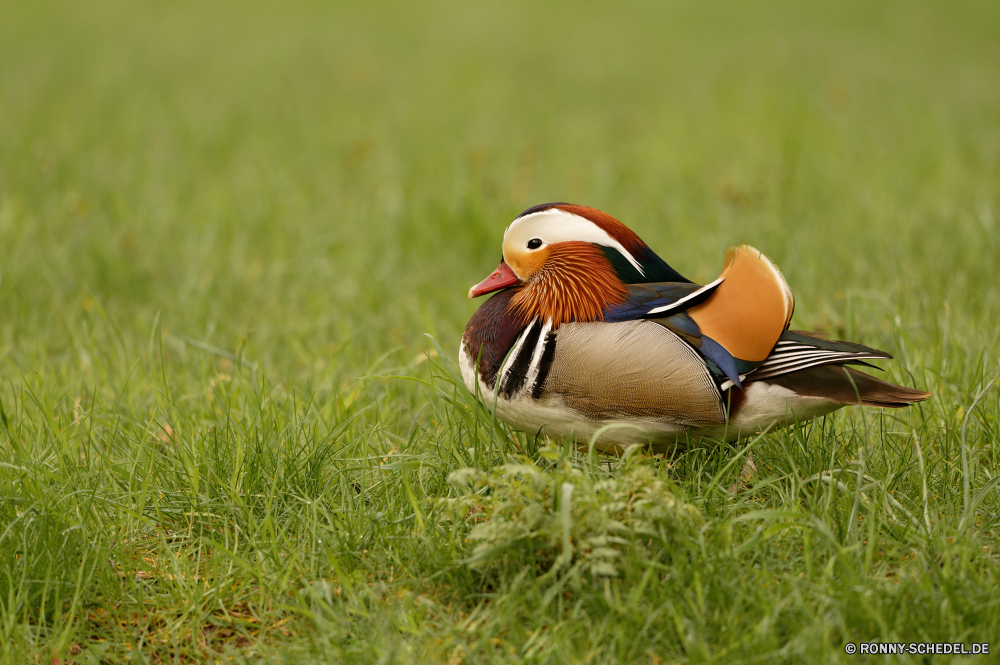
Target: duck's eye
{"type": "Point", "coordinates": [534, 243]}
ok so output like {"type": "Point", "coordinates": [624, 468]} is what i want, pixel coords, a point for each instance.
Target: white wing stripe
{"type": "Point", "coordinates": [791, 356]}
{"type": "Point", "coordinates": [765, 372]}
{"type": "Point", "coordinates": [796, 347]}
{"type": "Point", "coordinates": [801, 363]}
{"type": "Point", "coordinates": [805, 359]}
{"type": "Point", "coordinates": [776, 358]}
{"type": "Point", "coordinates": [678, 303]}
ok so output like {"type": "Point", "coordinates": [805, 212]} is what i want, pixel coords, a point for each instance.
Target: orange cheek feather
{"type": "Point", "coordinates": [526, 264]}
{"type": "Point", "coordinates": [568, 281]}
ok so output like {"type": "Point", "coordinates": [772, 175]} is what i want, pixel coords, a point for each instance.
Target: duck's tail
{"type": "Point", "coordinates": [845, 385]}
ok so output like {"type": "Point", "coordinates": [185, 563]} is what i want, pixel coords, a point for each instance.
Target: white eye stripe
{"type": "Point", "coordinates": [555, 225]}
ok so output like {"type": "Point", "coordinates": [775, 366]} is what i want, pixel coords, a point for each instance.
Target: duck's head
{"type": "Point", "coordinates": [571, 262]}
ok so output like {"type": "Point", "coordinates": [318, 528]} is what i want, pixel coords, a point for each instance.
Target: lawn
{"type": "Point", "coordinates": [235, 245]}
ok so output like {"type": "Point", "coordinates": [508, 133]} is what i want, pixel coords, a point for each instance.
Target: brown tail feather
{"type": "Point", "coordinates": [845, 385]}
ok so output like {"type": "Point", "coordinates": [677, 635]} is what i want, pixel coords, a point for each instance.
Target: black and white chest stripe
{"type": "Point", "coordinates": [528, 363]}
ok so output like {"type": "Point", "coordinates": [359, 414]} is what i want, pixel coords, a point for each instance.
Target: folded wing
{"type": "Point", "coordinates": [798, 350]}
{"type": "Point", "coordinates": [738, 324]}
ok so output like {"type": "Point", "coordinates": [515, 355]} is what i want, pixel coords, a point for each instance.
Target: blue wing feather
{"type": "Point", "coordinates": [658, 299]}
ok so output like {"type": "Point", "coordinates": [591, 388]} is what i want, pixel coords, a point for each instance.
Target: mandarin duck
{"type": "Point", "coordinates": [588, 327]}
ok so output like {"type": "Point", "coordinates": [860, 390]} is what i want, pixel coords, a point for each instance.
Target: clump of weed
{"type": "Point", "coordinates": [567, 518]}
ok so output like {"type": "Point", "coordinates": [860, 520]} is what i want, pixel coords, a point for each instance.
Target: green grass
{"type": "Point", "coordinates": [222, 225]}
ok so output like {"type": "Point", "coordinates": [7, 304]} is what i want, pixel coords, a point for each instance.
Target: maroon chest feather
{"type": "Point", "coordinates": [491, 333]}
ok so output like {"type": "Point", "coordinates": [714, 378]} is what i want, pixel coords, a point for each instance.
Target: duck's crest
{"type": "Point", "coordinates": [653, 268]}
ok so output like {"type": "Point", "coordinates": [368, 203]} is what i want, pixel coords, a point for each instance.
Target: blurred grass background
{"type": "Point", "coordinates": [310, 186]}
